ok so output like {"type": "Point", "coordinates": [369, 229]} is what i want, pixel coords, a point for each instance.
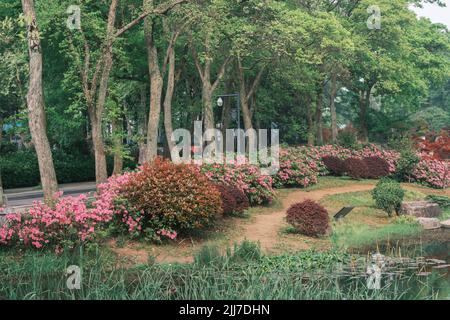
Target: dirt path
{"type": "Point", "coordinates": [265, 228]}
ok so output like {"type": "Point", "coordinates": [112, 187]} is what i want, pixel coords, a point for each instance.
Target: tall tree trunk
{"type": "Point", "coordinates": [168, 99]}
{"type": "Point", "coordinates": [208, 108]}
{"type": "Point", "coordinates": [117, 130]}
{"type": "Point", "coordinates": [333, 93]}
{"type": "Point", "coordinates": [35, 103]}
{"type": "Point", "coordinates": [156, 86]}
{"type": "Point", "coordinates": [319, 122]}
{"type": "Point", "coordinates": [96, 109]}
{"type": "Point", "coordinates": [142, 125]}
{"type": "Point", "coordinates": [364, 102]}
{"type": "Point", "coordinates": [246, 94]}
{"type": "Point", "coordinates": [310, 118]}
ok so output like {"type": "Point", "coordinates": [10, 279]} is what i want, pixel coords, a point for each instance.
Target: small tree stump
{"type": "Point", "coordinates": [424, 209]}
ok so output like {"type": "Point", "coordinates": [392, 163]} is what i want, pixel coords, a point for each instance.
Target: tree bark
{"type": "Point", "coordinates": [364, 102]}
{"type": "Point", "coordinates": [117, 128]}
{"type": "Point", "coordinates": [35, 103]}
{"type": "Point", "coordinates": [246, 94]}
{"type": "Point", "coordinates": [208, 87]}
{"type": "Point", "coordinates": [156, 85]}
{"type": "Point", "coordinates": [319, 122]}
{"type": "Point", "coordinates": [168, 99]}
{"type": "Point", "coordinates": [310, 120]}
{"type": "Point", "coordinates": [333, 93]}
{"type": "Point", "coordinates": [142, 125]}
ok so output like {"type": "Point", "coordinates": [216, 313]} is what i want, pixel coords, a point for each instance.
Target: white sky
{"type": "Point", "coordinates": [435, 13]}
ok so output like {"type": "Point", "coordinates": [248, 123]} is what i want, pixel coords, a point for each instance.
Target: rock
{"type": "Point", "coordinates": [429, 223]}
{"type": "Point", "coordinates": [421, 209]}
{"type": "Point", "coordinates": [445, 224]}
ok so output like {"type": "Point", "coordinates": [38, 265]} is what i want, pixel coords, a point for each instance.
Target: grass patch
{"type": "Point", "coordinates": [329, 182]}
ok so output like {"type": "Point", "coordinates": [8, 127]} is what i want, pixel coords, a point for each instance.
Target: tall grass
{"type": "Point", "coordinates": [43, 276]}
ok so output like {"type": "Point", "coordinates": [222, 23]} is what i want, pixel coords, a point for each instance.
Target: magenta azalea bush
{"type": "Point", "coordinates": [247, 178]}
{"type": "Point", "coordinates": [434, 173]}
{"type": "Point", "coordinates": [66, 223]}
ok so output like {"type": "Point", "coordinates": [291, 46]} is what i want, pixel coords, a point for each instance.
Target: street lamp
{"type": "Point", "coordinates": [220, 104]}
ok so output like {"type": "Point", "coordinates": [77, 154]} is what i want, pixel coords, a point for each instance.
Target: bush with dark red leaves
{"type": "Point", "coordinates": [377, 167]}
{"type": "Point", "coordinates": [356, 168]}
{"type": "Point", "coordinates": [308, 218]}
{"type": "Point", "coordinates": [242, 202]}
{"type": "Point", "coordinates": [334, 164]}
{"type": "Point", "coordinates": [234, 200]}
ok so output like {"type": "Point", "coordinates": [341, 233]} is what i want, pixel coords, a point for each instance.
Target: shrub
{"type": "Point", "coordinates": [229, 203]}
{"type": "Point", "coordinates": [308, 218]}
{"type": "Point", "coordinates": [356, 168]}
{"type": "Point", "coordinates": [66, 223]}
{"type": "Point", "coordinates": [434, 173]}
{"type": "Point", "coordinates": [377, 167]}
{"type": "Point", "coordinates": [442, 201]}
{"type": "Point", "coordinates": [241, 199]}
{"type": "Point", "coordinates": [294, 174]}
{"type": "Point", "coordinates": [247, 178]}
{"type": "Point", "coordinates": [406, 164]}
{"type": "Point", "coordinates": [234, 201]}
{"type": "Point", "coordinates": [388, 196]}
{"type": "Point", "coordinates": [347, 139]}
{"type": "Point", "coordinates": [164, 198]}
{"type": "Point", "coordinates": [334, 164]}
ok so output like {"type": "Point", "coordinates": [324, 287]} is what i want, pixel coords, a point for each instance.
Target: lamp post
{"type": "Point", "coordinates": [220, 103]}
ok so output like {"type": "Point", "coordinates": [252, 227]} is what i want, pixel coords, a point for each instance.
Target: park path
{"type": "Point", "coordinates": [264, 228]}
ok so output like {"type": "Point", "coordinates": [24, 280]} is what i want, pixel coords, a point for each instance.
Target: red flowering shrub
{"type": "Point", "coordinates": [377, 167]}
{"type": "Point", "coordinates": [356, 168]}
{"type": "Point", "coordinates": [308, 218]}
{"type": "Point", "coordinates": [334, 164]}
{"type": "Point", "coordinates": [164, 197]}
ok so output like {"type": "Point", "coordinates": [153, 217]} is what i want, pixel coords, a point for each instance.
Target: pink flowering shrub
{"type": "Point", "coordinates": [247, 178]}
{"type": "Point", "coordinates": [295, 174]}
{"type": "Point", "coordinates": [434, 173]}
{"type": "Point", "coordinates": [66, 223]}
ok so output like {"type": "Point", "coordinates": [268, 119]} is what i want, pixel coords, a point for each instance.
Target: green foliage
{"type": "Point", "coordinates": [20, 169]}
{"type": "Point", "coordinates": [405, 165]}
{"type": "Point", "coordinates": [347, 139]}
{"type": "Point", "coordinates": [442, 201]}
{"type": "Point", "coordinates": [388, 196]}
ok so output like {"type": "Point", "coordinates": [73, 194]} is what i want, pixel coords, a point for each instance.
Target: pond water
{"type": "Point", "coordinates": [419, 266]}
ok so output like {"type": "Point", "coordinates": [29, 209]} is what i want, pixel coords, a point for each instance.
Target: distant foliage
{"type": "Point", "coordinates": [335, 165]}
{"type": "Point", "coordinates": [308, 218]}
{"type": "Point", "coordinates": [388, 196]}
{"type": "Point", "coordinates": [356, 168]}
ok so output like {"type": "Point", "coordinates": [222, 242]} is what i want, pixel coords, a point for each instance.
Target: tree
{"type": "Point", "coordinates": [35, 103]}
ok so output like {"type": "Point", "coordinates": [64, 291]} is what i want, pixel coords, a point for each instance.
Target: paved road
{"type": "Point", "coordinates": [19, 198]}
